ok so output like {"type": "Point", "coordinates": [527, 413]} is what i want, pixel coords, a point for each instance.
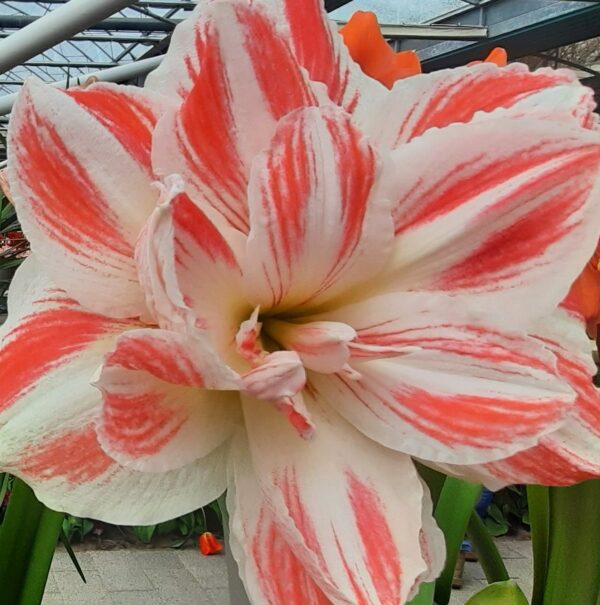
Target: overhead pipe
{"type": "Point", "coordinates": [54, 27]}
{"type": "Point", "coordinates": [122, 73]}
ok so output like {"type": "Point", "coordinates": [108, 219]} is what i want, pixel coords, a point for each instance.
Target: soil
{"type": "Point", "coordinates": [111, 537]}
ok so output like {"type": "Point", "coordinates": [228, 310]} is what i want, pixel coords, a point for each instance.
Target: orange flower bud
{"type": "Point", "coordinates": [376, 58]}
{"type": "Point", "coordinates": [208, 544]}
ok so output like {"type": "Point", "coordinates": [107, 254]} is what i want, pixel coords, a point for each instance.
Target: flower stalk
{"type": "Point", "coordinates": [483, 544]}
{"type": "Point", "coordinates": [28, 537]}
{"type": "Point", "coordinates": [573, 573]}
{"type": "Point", "coordinates": [452, 513]}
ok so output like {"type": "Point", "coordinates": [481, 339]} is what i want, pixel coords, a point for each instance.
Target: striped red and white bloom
{"type": "Point", "coordinates": [265, 272]}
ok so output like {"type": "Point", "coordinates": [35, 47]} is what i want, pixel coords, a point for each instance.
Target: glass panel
{"type": "Point", "coordinates": [399, 11]}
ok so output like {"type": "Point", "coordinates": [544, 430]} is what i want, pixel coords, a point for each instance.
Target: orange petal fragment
{"type": "Point", "coordinates": [584, 296]}
{"type": "Point", "coordinates": [376, 58]}
{"type": "Point", "coordinates": [208, 544]}
{"type": "Point", "coordinates": [498, 56]}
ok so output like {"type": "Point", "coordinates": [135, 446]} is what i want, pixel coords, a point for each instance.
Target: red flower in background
{"type": "Point", "coordinates": [208, 544]}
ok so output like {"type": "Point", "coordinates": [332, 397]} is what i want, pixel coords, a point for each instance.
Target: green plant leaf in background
{"type": "Point", "coordinates": [495, 521]}
{"type": "Point", "coordinates": [573, 570]}
{"type": "Point", "coordinates": [76, 527]}
{"type": "Point", "coordinates": [452, 513]}
{"type": "Point", "coordinates": [500, 593]}
{"type": "Point", "coordinates": [425, 595]}
{"type": "Point", "coordinates": [489, 558]}
{"type": "Point", "coordinates": [28, 538]}
{"type": "Point", "coordinates": [144, 533]}
{"type": "Point", "coordinates": [65, 541]}
{"type": "Point", "coordinates": [539, 517]}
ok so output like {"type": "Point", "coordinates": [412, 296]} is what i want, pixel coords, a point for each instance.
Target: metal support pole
{"type": "Point", "coordinates": [122, 73]}
{"type": "Point", "coordinates": [54, 27]}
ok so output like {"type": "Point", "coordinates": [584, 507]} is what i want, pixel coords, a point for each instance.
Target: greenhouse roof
{"type": "Point", "coordinates": [138, 30]}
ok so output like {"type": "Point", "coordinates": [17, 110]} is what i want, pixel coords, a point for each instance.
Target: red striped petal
{"type": "Point", "coordinates": [439, 99]}
{"type": "Point", "coordinates": [358, 548]}
{"type": "Point", "coordinates": [302, 250]}
{"type": "Point", "coordinates": [48, 415]}
{"type": "Point", "coordinates": [128, 112]}
{"type": "Point", "coordinates": [505, 223]}
{"type": "Point", "coordinates": [570, 454]}
{"type": "Point", "coordinates": [158, 413]}
{"type": "Point", "coordinates": [322, 346]}
{"type": "Point", "coordinates": [188, 266]}
{"type": "Point", "coordinates": [319, 48]}
{"type": "Point", "coordinates": [82, 193]}
{"type": "Point", "coordinates": [434, 382]}
{"type": "Point", "coordinates": [34, 342]}
{"type": "Point", "coordinates": [268, 564]}
{"type": "Point", "coordinates": [248, 80]}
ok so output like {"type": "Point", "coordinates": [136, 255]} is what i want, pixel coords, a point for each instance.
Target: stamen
{"type": "Point", "coordinates": [247, 339]}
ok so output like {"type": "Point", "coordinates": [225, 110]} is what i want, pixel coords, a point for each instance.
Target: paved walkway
{"type": "Point", "coordinates": [172, 577]}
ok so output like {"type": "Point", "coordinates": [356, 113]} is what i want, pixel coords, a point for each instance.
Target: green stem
{"type": "Point", "coordinates": [17, 533]}
{"type": "Point", "coordinates": [539, 519]}
{"type": "Point", "coordinates": [28, 537]}
{"type": "Point", "coordinates": [424, 596]}
{"type": "Point", "coordinates": [489, 557]}
{"type": "Point", "coordinates": [42, 551]}
{"type": "Point", "coordinates": [573, 569]}
{"type": "Point", "coordinates": [452, 513]}
{"type": "Point", "coordinates": [434, 480]}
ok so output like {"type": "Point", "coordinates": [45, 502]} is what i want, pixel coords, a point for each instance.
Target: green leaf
{"type": "Point", "coordinates": [179, 542]}
{"type": "Point", "coordinates": [217, 510]}
{"type": "Point", "coordinates": [496, 529]}
{"type": "Point", "coordinates": [434, 480]}
{"type": "Point", "coordinates": [166, 527]}
{"type": "Point", "coordinates": [500, 593]}
{"type": "Point", "coordinates": [4, 479]}
{"type": "Point", "coordinates": [574, 539]}
{"type": "Point", "coordinates": [539, 517]}
{"type": "Point", "coordinates": [425, 595]}
{"type": "Point", "coordinates": [28, 537]}
{"type": "Point", "coordinates": [452, 513]}
{"type": "Point", "coordinates": [40, 558]}
{"type": "Point", "coordinates": [144, 532]}
{"type": "Point", "coordinates": [489, 557]}
{"type": "Point", "coordinates": [63, 538]}
{"type": "Point", "coordinates": [185, 524]}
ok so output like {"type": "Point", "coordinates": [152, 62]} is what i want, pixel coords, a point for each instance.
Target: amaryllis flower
{"type": "Point", "coordinates": [265, 272]}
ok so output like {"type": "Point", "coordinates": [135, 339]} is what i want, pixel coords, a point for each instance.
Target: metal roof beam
{"type": "Point", "coordinates": [435, 32]}
{"type": "Point", "coordinates": [121, 73]}
{"type": "Point", "coordinates": [147, 4]}
{"type": "Point", "coordinates": [426, 32]}
{"type": "Point", "coordinates": [146, 40]}
{"type": "Point", "coordinates": [54, 27]}
{"type": "Point", "coordinates": [73, 64]}
{"type": "Point", "coordinates": [141, 24]}
{"type": "Point", "coordinates": [521, 27]}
